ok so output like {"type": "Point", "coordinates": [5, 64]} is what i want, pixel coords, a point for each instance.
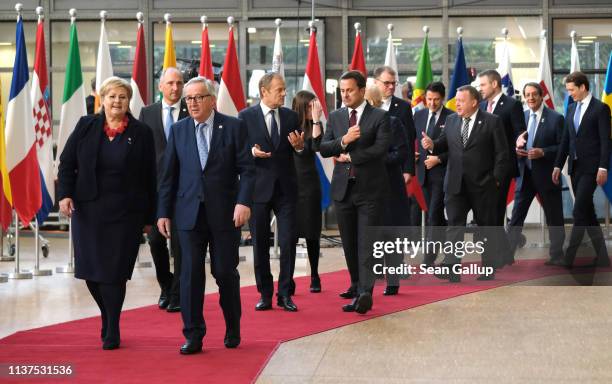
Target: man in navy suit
{"type": "Point", "coordinates": [586, 141]}
{"type": "Point", "coordinates": [207, 189]}
{"type": "Point", "coordinates": [536, 150]}
{"type": "Point", "coordinates": [273, 137]}
{"type": "Point", "coordinates": [431, 168]}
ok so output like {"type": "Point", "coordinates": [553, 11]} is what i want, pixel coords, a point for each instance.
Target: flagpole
{"type": "Point", "coordinates": [37, 271]}
{"type": "Point", "coordinates": [18, 273]}
{"type": "Point", "coordinates": [312, 9]}
{"type": "Point", "coordinates": [70, 267]}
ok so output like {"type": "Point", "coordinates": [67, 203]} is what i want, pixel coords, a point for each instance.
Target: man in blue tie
{"type": "Point", "coordinates": [206, 188]}
{"type": "Point", "coordinates": [586, 142]}
{"type": "Point", "coordinates": [159, 117]}
{"type": "Point", "coordinates": [536, 150]}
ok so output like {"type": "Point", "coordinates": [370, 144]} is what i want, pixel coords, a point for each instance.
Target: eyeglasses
{"type": "Point", "coordinates": [197, 99]}
{"type": "Point", "coordinates": [388, 83]}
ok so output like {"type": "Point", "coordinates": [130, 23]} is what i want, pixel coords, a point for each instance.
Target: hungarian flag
{"type": "Point", "coordinates": [358, 60]}
{"type": "Point", "coordinates": [6, 200]}
{"type": "Point", "coordinates": [424, 77]}
{"type": "Point", "coordinates": [460, 76]}
{"type": "Point", "coordinates": [139, 75]}
{"type": "Point", "coordinates": [22, 161]}
{"type": "Point", "coordinates": [544, 75]}
{"type": "Point", "coordinates": [231, 96]}
{"type": "Point", "coordinates": [43, 124]}
{"type": "Point", "coordinates": [313, 82]}
{"type": "Point", "coordinates": [104, 67]}
{"type": "Point", "coordinates": [206, 68]}
{"type": "Point", "coordinates": [73, 101]}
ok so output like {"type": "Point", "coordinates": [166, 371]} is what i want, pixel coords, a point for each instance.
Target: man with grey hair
{"type": "Point", "coordinates": [206, 189]}
{"type": "Point", "coordinates": [159, 117]}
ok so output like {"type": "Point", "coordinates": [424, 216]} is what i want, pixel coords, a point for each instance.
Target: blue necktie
{"type": "Point", "coordinates": [274, 130]}
{"type": "Point", "coordinates": [577, 116]}
{"type": "Point", "coordinates": [202, 143]}
{"type": "Point", "coordinates": [531, 135]}
{"type": "Point", "coordinates": [431, 125]}
{"type": "Point", "coordinates": [169, 121]}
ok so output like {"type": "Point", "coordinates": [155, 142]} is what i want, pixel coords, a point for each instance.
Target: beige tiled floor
{"type": "Point", "coordinates": [529, 333]}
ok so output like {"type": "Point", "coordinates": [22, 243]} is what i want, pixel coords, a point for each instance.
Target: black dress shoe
{"type": "Point", "coordinates": [364, 303]}
{"type": "Point", "coordinates": [350, 307]}
{"type": "Point", "coordinates": [286, 303]}
{"type": "Point", "coordinates": [174, 305]}
{"type": "Point", "coordinates": [163, 301]}
{"type": "Point", "coordinates": [315, 284]}
{"type": "Point", "coordinates": [391, 290]}
{"type": "Point", "coordinates": [561, 263]}
{"type": "Point", "coordinates": [450, 276]}
{"type": "Point", "coordinates": [349, 294]}
{"type": "Point", "coordinates": [232, 339]}
{"type": "Point", "coordinates": [110, 344]}
{"type": "Point", "coordinates": [486, 277]}
{"type": "Point", "coordinates": [190, 347]}
{"type": "Point", "coordinates": [263, 304]}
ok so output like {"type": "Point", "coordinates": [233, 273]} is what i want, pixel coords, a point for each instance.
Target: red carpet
{"type": "Point", "coordinates": [151, 338]}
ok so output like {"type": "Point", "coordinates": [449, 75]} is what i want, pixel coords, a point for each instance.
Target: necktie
{"type": "Point", "coordinates": [274, 129]}
{"type": "Point", "coordinates": [202, 143]}
{"type": "Point", "coordinates": [465, 131]}
{"type": "Point", "coordinates": [431, 125]}
{"type": "Point", "coordinates": [577, 116]}
{"type": "Point", "coordinates": [490, 106]}
{"type": "Point", "coordinates": [169, 121]}
{"type": "Point", "coordinates": [531, 135]}
{"type": "Point", "coordinates": [352, 123]}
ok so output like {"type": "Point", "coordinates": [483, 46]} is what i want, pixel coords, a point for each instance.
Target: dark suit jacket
{"type": "Point", "coordinates": [151, 115]}
{"type": "Point", "coordinates": [420, 123]}
{"type": "Point", "coordinates": [591, 144]}
{"type": "Point", "coordinates": [510, 111]}
{"type": "Point", "coordinates": [548, 137]}
{"type": "Point", "coordinates": [77, 170]}
{"type": "Point", "coordinates": [368, 153]}
{"type": "Point", "coordinates": [218, 186]}
{"type": "Point", "coordinates": [403, 111]}
{"type": "Point", "coordinates": [484, 160]}
{"type": "Point", "coordinates": [396, 158]}
{"type": "Point", "coordinates": [279, 167]}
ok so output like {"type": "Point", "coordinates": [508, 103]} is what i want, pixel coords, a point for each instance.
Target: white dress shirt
{"type": "Point", "coordinates": [585, 104]}
{"type": "Point", "coordinates": [175, 112]}
{"type": "Point", "coordinates": [268, 118]}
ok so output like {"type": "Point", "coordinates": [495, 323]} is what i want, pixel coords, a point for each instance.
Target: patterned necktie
{"type": "Point", "coordinates": [465, 131]}
{"type": "Point", "coordinates": [490, 106]}
{"type": "Point", "coordinates": [431, 125]}
{"type": "Point", "coordinates": [531, 135]}
{"type": "Point", "coordinates": [169, 121]}
{"type": "Point", "coordinates": [577, 116]}
{"type": "Point", "coordinates": [274, 129]}
{"type": "Point", "coordinates": [202, 143]}
{"type": "Point", "coordinates": [352, 123]}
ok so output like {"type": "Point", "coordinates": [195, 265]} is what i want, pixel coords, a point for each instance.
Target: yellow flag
{"type": "Point", "coordinates": [169, 54]}
{"type": "Point", "coordinates": [6, 198]}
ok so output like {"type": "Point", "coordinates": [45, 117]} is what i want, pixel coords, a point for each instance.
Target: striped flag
{"type": "Point", "coordinates": [73, 101]}
{"type": "Point", "coordinates": [606, 97]}
{"type": "Point", "coordinates": [391, 59]}
{"type": "Point", "coordinates": [140, 89]}
{"type": "Point", "coordinates": [460, 76]}
{"type": "Point", "coordinates": [231, 95]}
{"type": "Point", "coordinates": [22, 161]}
{"type": "Point", "coordinates": [505, 71]}
{"type": "Point", "coordinates": [358, 61]}
{"type": "Point", "coordinates": [313, 82]}
{"type": "Point", "coordinates": [104, 66]}
{"type": "Point", "coordinates": [206, 68]}
{"type": "Point", "coordinates": [278, 65]}
{"type": "Point", "coordinates": [43, 124]}
{"type": "Point", "coordinates": [544, 75]}
{"type": "Point", "coordinates": [6, 199]}
{"type": "Point", "coordinates": [424, 77]}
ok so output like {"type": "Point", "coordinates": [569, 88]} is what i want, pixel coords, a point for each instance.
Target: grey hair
{"type": "Point", "coordinates": [169, 69]}
{"type": "Point", "coordinates": [210, 87]}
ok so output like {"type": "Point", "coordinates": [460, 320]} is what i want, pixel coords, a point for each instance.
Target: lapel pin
{"type": "Point", "coordinates": [501, 103]}
{"type": "Point", "coordinates": [129, 140]}
{"type": "Point", "coordinates": [479, 122]}
{"type": "Point", "coordinates": [541, 121]}
{"type": "Point", "coordinates": [220, 126]}
{"type": "Point", "coordinates": [395, 105]}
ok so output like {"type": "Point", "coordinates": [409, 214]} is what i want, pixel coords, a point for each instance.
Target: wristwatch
{"type": "Point", "coordinates": [317, 123]}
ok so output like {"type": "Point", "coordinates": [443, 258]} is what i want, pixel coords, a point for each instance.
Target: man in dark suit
{"type": "Point", "coordinates": [431, 168]}
{"type": "Point", "coordinates": [586, 141]}
{"type": "Point", "coordinates": [359, 135]}
{"type": "Point", "coordinates": [536, 150]}
{"type": "Point", "coordinates": [159, 117]}
{"type": "Point", "coordinates": [207, 188]}
{"type": "Point", "coordinates": [478, 162]}
{"type": "Point", "coordinates": [510, 111]}
{"type": "Point", "coordinates": [273, 137]}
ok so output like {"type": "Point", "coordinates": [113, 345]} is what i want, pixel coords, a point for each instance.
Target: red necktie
{"type": "Point", "coordinates": [352, 123]}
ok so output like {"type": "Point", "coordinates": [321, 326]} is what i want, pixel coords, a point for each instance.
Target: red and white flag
{"type": "Point", "coordinates": [231, 95]}
{"type": "Point", "coordinates": [206, 68]}
{"type": "Point", "coordinates": [544, 74]}
{"type": "Point", "coordinates": [358, 60]}
{"type": "Point", "coordinates": [139, 72]}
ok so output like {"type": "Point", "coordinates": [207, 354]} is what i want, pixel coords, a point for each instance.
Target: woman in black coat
{"type": "Point", "coordinates": [107, 185]}
{"type": "Point", "coordinates": [309, 113]}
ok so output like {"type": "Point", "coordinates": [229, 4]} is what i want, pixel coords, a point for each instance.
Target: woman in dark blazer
{"type": "Point", "coordinates": [107, 185]}
{"type": "Point", "coordinates": [309, 113]}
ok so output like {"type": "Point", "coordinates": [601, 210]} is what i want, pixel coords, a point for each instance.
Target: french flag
{"type": "Point", "coordinates": [313, 82]}
{"type": "Point", "coordinates": [21, 157]}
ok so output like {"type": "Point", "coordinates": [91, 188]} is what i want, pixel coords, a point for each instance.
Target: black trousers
{"type": "Point", "coordinates": [502, 245]}
{"type": "Point", "coordinates": [585, 219]}
{"type": "Point", "coordinates": [109, 297]}
{"type": "Point", "coordinates": [354, 214]}
{"type": "Point", "coordinates": [223, 265]}
{"type": "Point", "coordinates": [480, 201]}
{"type": "Point", "coordinates": [553, 209]}
{"type": "Point", "coordinates": [168, 282]}
{"type": "Point", "coordinates": [284, 208]}
{"type": "Point", "coordinates": [435, 220]}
